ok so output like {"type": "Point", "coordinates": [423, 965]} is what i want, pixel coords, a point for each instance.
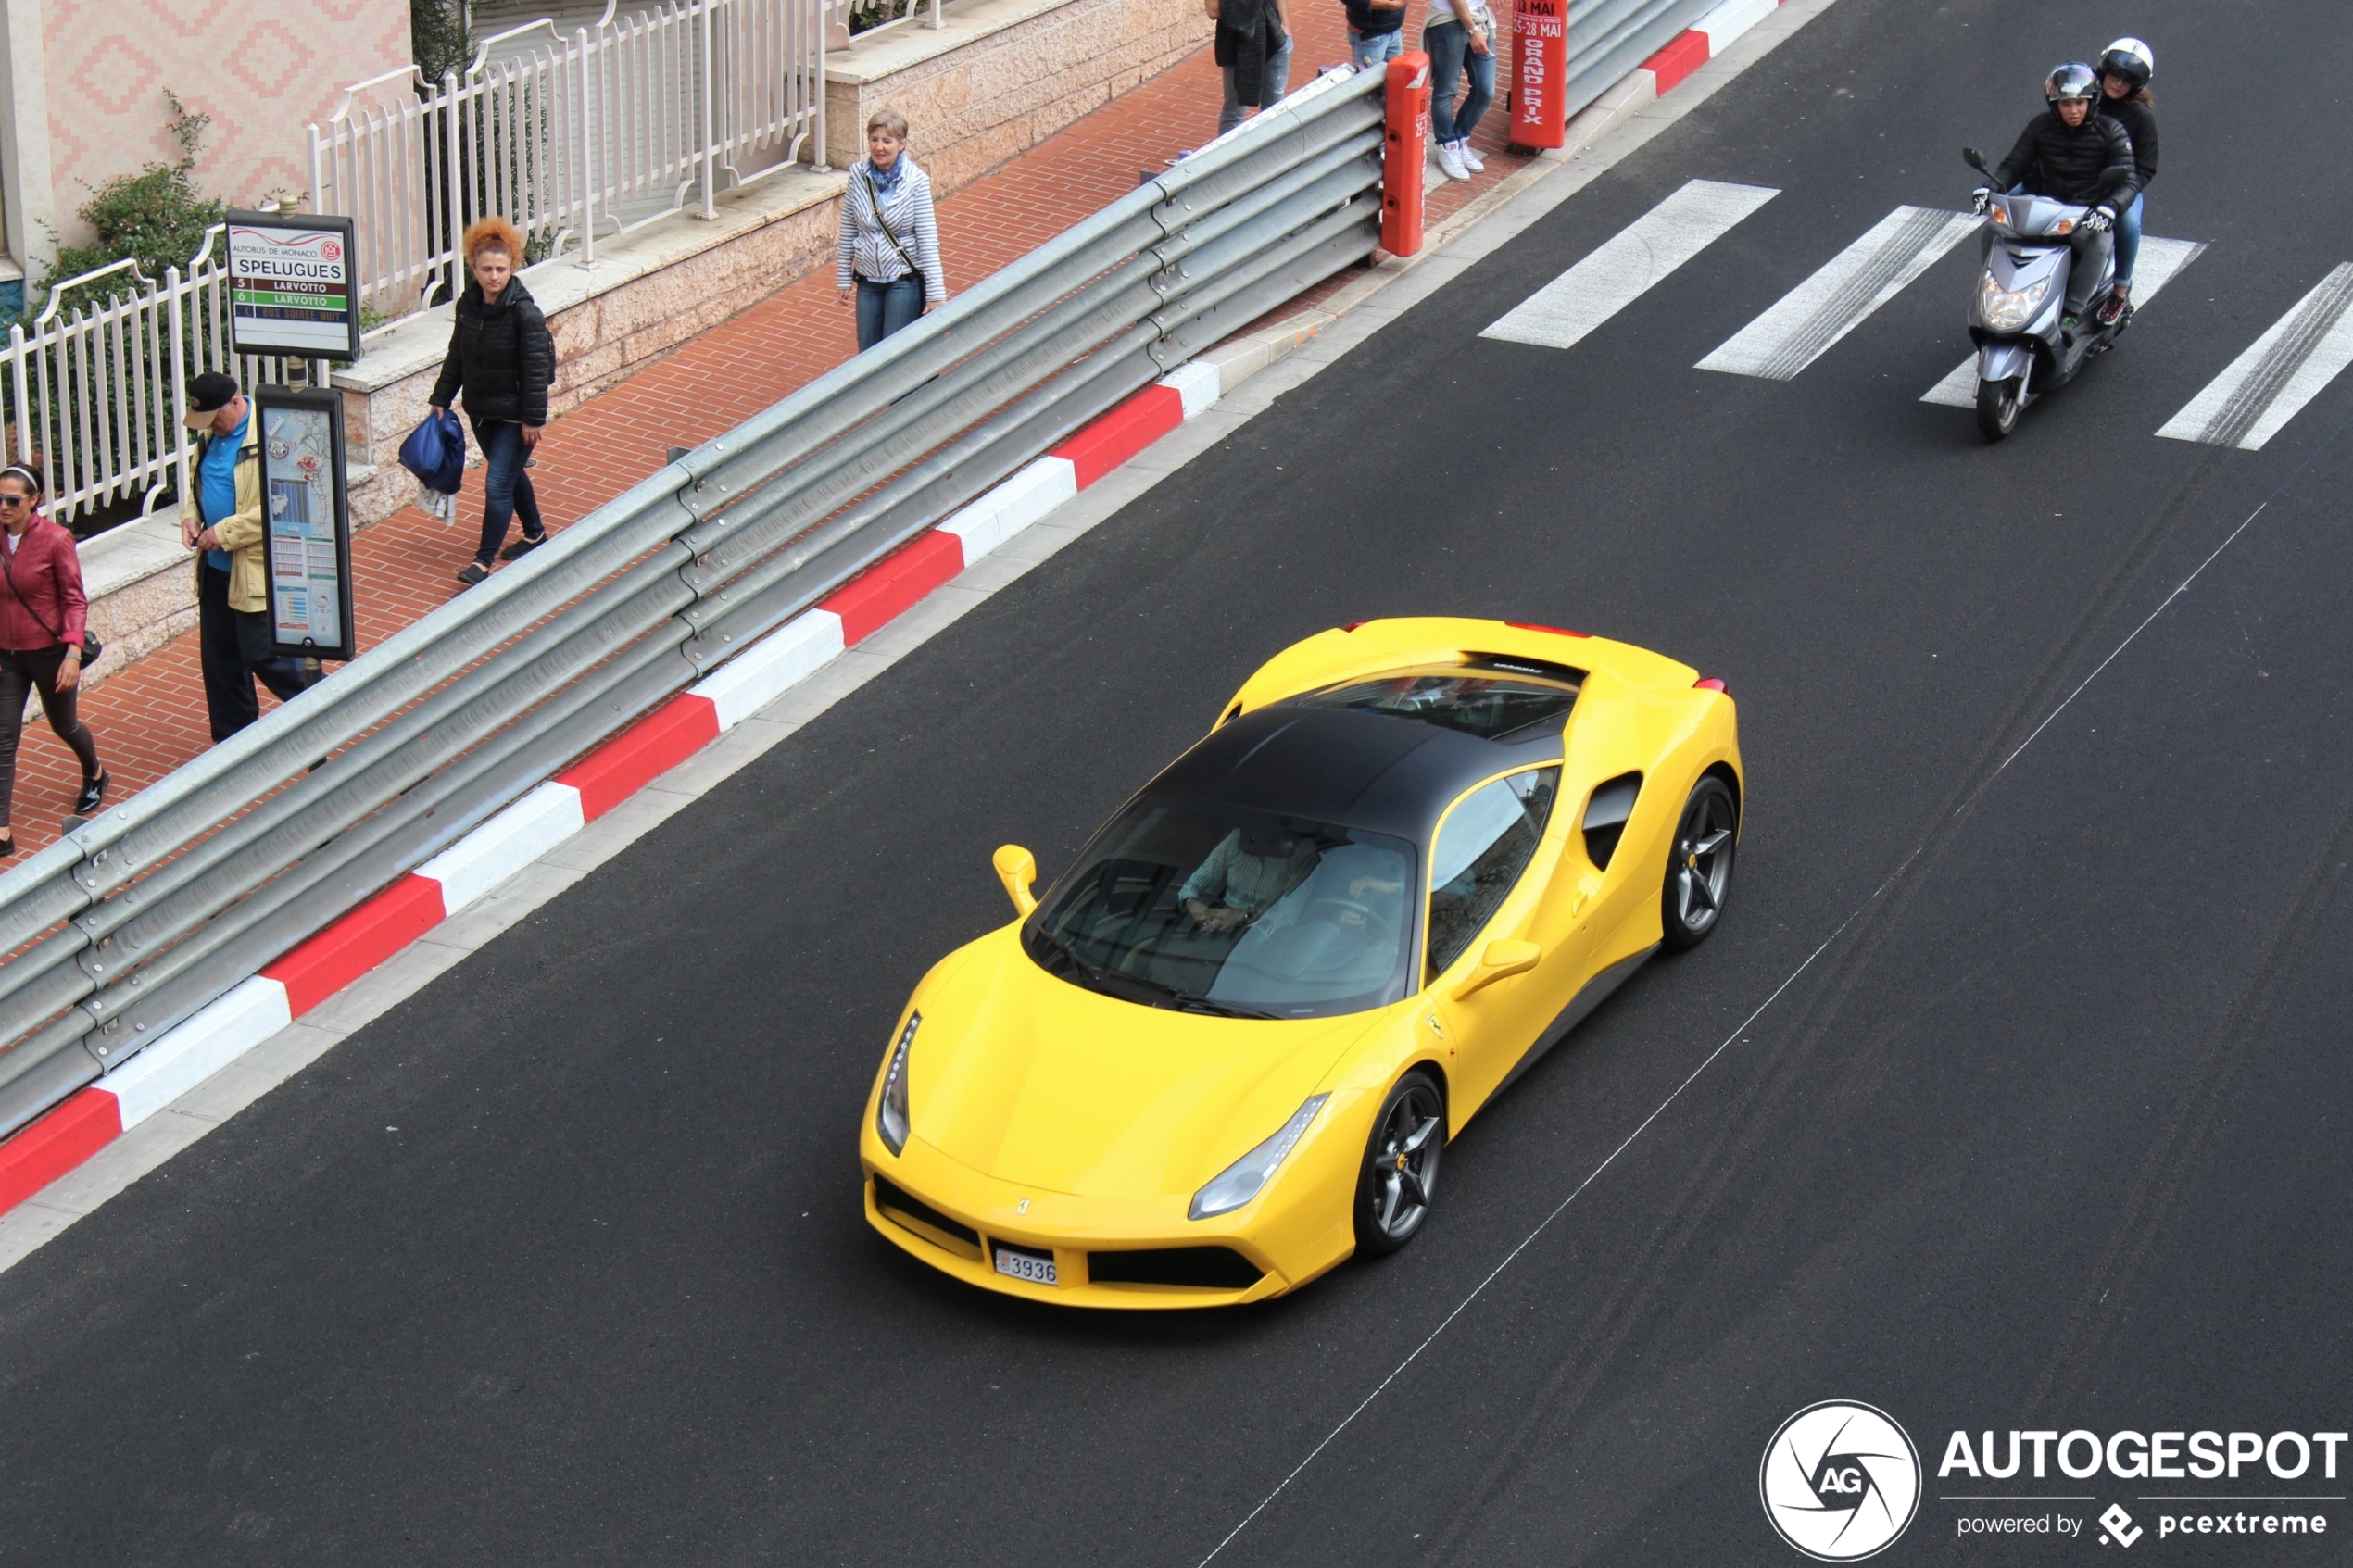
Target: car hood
{"type": "Point", "coordinates": [1032, 1080]}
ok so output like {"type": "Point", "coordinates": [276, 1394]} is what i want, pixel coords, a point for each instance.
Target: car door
{"type": "Point", "coordinates": [1490, 862]}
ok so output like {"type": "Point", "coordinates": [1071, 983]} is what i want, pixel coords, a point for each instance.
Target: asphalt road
{"type": "Point", "coordinates": [2051, 1135]}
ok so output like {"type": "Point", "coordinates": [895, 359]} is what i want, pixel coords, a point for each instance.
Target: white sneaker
{"type": "Point", "coordinates": [1469, 154]}
{"type": "Point", "coordinates": [1451, 162]}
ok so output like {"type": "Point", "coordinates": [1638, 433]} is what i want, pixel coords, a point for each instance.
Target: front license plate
{"type": "Point", "coordinates": [1036, 1267]}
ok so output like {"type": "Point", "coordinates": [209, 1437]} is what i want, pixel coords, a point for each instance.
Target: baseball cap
{"type": "Point", "coordinates": [207, 394]}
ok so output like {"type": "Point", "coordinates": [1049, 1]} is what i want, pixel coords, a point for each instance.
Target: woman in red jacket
{"type": "Point", "coordinates": [42, 616]}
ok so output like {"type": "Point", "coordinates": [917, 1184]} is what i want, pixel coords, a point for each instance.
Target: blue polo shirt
{"type": "Point", "coordinates": [217, 483]}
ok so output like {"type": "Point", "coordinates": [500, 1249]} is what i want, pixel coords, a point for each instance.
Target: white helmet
{"type": "Point", "coordinates": [2130, 59]}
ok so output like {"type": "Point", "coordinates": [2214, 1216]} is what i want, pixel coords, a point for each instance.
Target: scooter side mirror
{"type": "Point", "coordinates": [1976, 160]}
{"type": "Point", "coordinates": [1017, 869]}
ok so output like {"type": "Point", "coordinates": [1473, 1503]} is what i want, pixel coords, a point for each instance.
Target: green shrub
{"type": "Point", "coordinates": [156, 216]}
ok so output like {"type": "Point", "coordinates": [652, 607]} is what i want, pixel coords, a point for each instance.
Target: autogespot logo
{"type": "Point", "coordinates": [1839, 1480]}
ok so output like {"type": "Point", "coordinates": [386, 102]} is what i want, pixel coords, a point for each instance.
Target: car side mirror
{"type": "Point", "coordinates": [1499, 961]}
{"type": "Point", "coordinates": [1976, 160]}
{"type": "Point", "coordinates": [1017, 869]}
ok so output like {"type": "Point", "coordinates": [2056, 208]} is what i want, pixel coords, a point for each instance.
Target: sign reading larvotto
{"type": "Point", "coordinates": [292, 286]}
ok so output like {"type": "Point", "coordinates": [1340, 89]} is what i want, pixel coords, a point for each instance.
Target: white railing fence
{"type": "Point", "coordinates": [94, 390]}
{"type": "Point", "coordinates": [571, 139]}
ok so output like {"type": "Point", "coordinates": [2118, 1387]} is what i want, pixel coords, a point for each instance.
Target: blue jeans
{"type": "Point", "coordinates": [884, 308]}
{"type": "Point", "coordinates": [1450, 58]}
{"type": "Point", "coordinates": [1367, 50]}
{"type": "Point", "coordinates": [2128, 241]}
{"type": "Point", "coordinates": [1273, 81]}
{"type": "Point", "coordinates": [506, 490]}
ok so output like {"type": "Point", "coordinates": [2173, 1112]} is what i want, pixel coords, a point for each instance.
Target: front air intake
{"type": "Point", "coordinates": [1211, 1268]}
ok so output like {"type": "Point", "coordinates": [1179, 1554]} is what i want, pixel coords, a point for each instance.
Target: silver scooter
{"type": "Point", "coordinates": [2014, 316]}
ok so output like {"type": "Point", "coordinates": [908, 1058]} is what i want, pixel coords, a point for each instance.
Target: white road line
{"type": "Point", "coordinates": [2161, 262]}
{"type": "Point", "coordinates": [1623, 267]}
{"type": "Point", "coordinates": [2280, 372]}
{"type": "Point", "coordinates": [1842, 294]}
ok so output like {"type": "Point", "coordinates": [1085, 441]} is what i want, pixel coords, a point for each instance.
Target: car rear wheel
{"type": "Point", "coordinates": [1699, 867]}
{"type": "Point", "coordinates": [1400, 1178]}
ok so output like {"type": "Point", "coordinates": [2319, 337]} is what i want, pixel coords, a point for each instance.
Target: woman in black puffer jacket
{"type": "Point", "coordinates": [501, 353]}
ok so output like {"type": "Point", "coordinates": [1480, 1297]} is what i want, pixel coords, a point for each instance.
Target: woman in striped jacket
{"type": "Point", "coordinates": [890, 251]}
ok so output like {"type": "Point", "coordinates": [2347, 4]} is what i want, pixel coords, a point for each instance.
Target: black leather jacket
{"type": "Point", "coordinates": [501, 353]}
{"type": "Point", "coordinates": [2053, 158]}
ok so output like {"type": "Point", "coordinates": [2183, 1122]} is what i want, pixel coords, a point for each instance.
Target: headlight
{"type": "Point", "coordinates": [2007, 311]}
{"type": "Point", "coordinates": [890, 1116]}
{"type": "Point", "coordinates": [1246, 1177]}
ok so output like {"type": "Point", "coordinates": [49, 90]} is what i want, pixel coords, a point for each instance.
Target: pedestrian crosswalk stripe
{"type": "Point", "coordinates": [2280, 372]}
{"type": "Point", "coordinates": [1842, 294]}
{"type": "Point", "coordinates": [1622, 268]}
{"type": "Point", "coordinates": [2161, 262]}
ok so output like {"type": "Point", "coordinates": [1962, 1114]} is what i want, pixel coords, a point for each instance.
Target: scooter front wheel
{"type": "Point", "coordinates": [1997, 406]}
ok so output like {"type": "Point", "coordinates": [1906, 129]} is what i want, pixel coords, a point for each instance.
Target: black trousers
{"type": "Point", "coordinates": [235, 649]}
{"type": "Point", "coordinates": [21, 673]}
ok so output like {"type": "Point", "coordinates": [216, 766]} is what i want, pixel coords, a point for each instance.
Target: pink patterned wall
{"type": "Point", "coordinates": [261, 68]}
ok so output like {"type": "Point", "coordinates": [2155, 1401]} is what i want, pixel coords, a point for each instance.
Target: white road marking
{"type": "Point", "coordinates": [2280, 372]}
{"type": "Point", "coordinates": [1842, 294]}
{"type": "Point", "coordinates": [1625, 266]}
{"type": "Point", "coordinates": [2161, 262]}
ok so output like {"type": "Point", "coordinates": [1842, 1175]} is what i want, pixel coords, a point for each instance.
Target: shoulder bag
{"type": "Point", "coordinates": [91, 646]}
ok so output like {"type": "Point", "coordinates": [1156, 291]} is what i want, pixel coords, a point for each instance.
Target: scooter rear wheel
{"type": "Point", "coordinates": [1997, 406]}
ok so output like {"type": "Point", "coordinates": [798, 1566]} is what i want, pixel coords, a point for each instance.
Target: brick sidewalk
{"type": "Point", "coordinates": [149, 718]}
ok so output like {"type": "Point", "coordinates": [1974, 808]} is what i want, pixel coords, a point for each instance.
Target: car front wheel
{"type": "Point", "coordinates": [1699, 864]}
{"type": "Point", "coordinates": [1400, 1178]}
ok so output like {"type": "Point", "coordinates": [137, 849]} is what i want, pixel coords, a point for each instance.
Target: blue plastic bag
{"type": "Point", "coordinates": [435, 452]}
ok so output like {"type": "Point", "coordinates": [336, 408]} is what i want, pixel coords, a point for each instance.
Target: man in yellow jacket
{"type": "Point", "coordinates": [220, 519]}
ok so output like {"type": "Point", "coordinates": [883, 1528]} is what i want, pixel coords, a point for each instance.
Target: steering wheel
{"type": "Point", "coordinates": [1374, 920]}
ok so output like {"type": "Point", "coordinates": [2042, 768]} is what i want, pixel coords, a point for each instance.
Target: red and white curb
{"type": "Point", "coordinates": [307, 976]}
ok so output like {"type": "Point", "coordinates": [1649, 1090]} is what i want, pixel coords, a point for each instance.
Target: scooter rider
{"type": "Point", "coordinates": [2125, 68]}
{"type": "Point", "coordinates": [2070, 154]}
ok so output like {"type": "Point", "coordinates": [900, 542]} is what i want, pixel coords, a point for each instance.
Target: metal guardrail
{"type": "Point", "coordinates": [140, 918]}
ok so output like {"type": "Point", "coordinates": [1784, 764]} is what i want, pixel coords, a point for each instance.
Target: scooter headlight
{"type": "Point", "coordinates": [2008, 310]}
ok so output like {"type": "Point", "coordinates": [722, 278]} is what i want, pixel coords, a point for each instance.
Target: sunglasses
{"type": "Point", "coordinates": [8, 500]}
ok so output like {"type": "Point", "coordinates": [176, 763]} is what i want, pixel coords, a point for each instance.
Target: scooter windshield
{"type": "Point", "coordinates": [2031, 216]}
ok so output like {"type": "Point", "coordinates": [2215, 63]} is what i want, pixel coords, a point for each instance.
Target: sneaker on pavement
{"type": "Point", "coordinates": [521, 547]}
{"type": "Point", "coordinates": [1469, 154]}
{"type": "Point", "coordinates": [1451, 162]}
{"type": "Point", "coordinates": [474, 571]}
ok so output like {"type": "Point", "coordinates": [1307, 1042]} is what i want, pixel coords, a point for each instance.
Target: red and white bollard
{"type": "Point", "coordinates": [1405, 100]}
{"type": "Point", "coordinates": [1540, 69]}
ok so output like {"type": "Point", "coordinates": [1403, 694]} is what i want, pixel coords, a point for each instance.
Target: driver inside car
{"type": "Point", "coordinates": [1244, 875]}
{"type": "Point", "coordinates": [2073, 155]}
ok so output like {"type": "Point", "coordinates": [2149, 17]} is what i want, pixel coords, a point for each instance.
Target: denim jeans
{"type": "Point", "coordinates": [1449, 59]}
{"type": "Point", "coordinates": [505, 489]}
{"type": "Point", "coordinates": [1276, 80]}
{"type": "Point", "coordinates": [2128, 241]}
{"type": "Point", "coordinates": [1367, 50]}
{"type": "Point", "coordinates": [884, 308]}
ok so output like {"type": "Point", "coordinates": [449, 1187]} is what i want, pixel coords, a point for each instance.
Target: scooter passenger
{"type": "Point", "coordinates": [2070, 154]}
{"type": "Point", "coordinates": [2125, 69]}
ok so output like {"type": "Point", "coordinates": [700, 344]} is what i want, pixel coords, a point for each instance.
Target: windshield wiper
{"type": "Point", "coordinates": [1069, 953]}
{"type": "Point", "coordinates": [1187, 1001]}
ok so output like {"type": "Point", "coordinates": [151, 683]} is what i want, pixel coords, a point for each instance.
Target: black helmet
{"type": "Point", "coordinates": [2130, 59]}
{"type": "Point", "coordinates": [2073, 80]}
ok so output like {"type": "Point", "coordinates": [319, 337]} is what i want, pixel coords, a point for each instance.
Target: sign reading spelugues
{"type": "Point", "coordinates": [1839, 1480]}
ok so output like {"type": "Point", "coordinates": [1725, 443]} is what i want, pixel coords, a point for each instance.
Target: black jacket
{"type": "Point", "coordinates": [2140, 123]}
{"type": "Point", "coordinates": [1249, 34]}
{"type": "Point", "coordinates": [2053, 158]}
{"type": "Point", "coordinates": [501, 353]}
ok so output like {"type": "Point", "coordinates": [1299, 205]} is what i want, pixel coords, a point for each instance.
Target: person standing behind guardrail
{"type": "Point", "coordinates": [43, 640]}
{"type": "Point", "coordinates": [1253, 50]}
{"type": "Point", "coordinates": [1375, 32]}
{"type": "Point", "coordinates": [888, 256]}
{"type": "Point", "coordinates": [221, 517]}
{"type": "Point", "coordinates": [502, 354]}
{"type": "Point", "coordinates": [1459, 36]}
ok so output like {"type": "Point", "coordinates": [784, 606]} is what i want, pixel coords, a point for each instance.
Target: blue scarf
{"type": "Point", "coordinates": [886, 180]}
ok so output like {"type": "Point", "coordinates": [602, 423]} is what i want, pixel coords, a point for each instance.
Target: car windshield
{"type": "Point", "coordinates": [1490, 706]}
{"type": "Point", "coordinates": [1208, 907]}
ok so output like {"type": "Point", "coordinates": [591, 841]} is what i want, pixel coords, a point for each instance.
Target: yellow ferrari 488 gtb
{"type": "Point", "coordinates": [1229, 1046]}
